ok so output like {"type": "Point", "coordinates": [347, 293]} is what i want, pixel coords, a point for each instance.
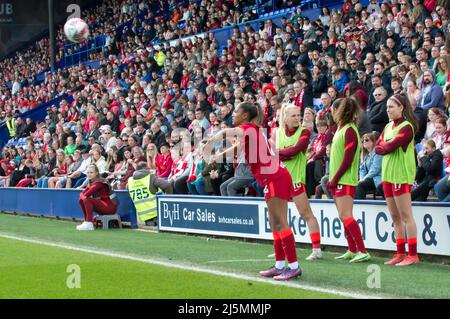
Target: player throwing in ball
{"type": "Point", "coordinates": [272, 176]}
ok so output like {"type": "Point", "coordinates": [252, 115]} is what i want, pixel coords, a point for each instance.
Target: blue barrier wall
{"type": "Point", "coordinates": [57, 203]}
{"type": "Point", "coordinates": [248, 217]}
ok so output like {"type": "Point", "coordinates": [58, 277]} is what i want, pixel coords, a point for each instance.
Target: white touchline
{"type": "Point", "coordinates": [190, 268]}
{"type": "Point", "coordinates": [233, 261]}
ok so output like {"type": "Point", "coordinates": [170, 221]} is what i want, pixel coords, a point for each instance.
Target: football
{"type": "Point", "coordinates": [76, 30]}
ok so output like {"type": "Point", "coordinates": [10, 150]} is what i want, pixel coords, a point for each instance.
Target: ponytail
{"type": "Point", "coordinates": [408, 113]}
{"type": "Point", "coordinates": [255, 113]}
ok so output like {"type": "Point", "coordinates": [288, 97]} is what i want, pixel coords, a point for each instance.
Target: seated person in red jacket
{"type": "Point", "coordinates": [95, 197]}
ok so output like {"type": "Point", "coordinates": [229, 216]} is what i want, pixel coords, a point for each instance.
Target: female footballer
{"type": "Point", "coordinates": [273, 177]}
{"type": "Point", "coordinates": [292, 142]}
{"type": "Point", "coordinates": [344, 164]}
{"type": "Point", "coordinates": [95, 197]}
{"type": "Point", "coordinates": [398, 171]}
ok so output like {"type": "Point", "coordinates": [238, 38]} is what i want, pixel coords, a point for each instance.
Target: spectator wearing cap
{"type": "Point", "coordinates": [340, 79]}
{"type": "Point", "coordinates": [200, 83]}
{"type": "Point", "coordinates": [288, 57]}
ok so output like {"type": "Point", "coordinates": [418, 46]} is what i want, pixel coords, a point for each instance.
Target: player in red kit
{"type": "Point", "coordinates": [95, 198]}
{"type": "Point", "coordinates": [272, 176]}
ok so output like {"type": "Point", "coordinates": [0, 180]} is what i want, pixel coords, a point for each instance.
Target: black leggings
{"type": "Point", "coordinates": [420, 194]}
{"type": "Point", "coordinates": [314, 172]}
{"type": "Point", "coordinates": [180, 186]}
{"type": "Point", "coordinates": [364, 187]}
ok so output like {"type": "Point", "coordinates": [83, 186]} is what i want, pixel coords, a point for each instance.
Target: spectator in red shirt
{"type": "Point", "coordinates": [164, 161]}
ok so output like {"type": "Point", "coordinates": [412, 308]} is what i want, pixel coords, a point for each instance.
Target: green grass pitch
{"type": "Point", "coordinates": [31, 270]}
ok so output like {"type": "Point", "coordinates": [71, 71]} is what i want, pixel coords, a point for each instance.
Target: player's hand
{"type": "Point", "coordinates": [331, 184]}
{"type": "Point", "coordinates": [379, 150]}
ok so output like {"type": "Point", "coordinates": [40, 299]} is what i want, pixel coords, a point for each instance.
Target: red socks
{"type": "Point", "coordinates": [355, 233]}
{"type": "Point", "coordinates": [315, 240]}
{"type": "Point", "coordinates": [401, 249]}
{"type": "Point", "coordinates": [412, 246]}
{"type": "Point", "coordinates": [350, 241]}
{"type": "Point", "coordinates": [278, 247]}
{"type": "Point", "coordinates": [288, 240]}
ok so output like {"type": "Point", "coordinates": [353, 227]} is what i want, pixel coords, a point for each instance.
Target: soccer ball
{"type": "Point", "coordinates": [76, 30]}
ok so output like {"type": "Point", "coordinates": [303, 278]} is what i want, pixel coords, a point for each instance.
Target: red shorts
{"type": "Point", "coordinates": [280, 187]}
{"type": "Point", "coordinates": [299, 189]}
{"type": "Point", "coordinates": [391, 190]}
{"type": "Point", "coordinates": [344, 190]}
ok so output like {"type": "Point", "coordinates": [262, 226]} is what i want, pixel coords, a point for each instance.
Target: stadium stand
{"type": "Point", "coordinates": [123, 96]}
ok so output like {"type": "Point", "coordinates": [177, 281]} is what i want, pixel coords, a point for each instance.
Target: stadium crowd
{"type": "Point", "coordinates": [146, 99]}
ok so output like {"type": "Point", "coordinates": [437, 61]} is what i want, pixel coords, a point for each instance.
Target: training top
{"type": "Point", "coordinates": [398, 166]}
{"type": "Point", "coordinates": [292, 152]}
{"type": "Point", "coordinates": [340, 155]}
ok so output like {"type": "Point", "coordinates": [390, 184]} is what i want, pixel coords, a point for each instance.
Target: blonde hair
{"type": "Point", "coordinates": [283, 110]}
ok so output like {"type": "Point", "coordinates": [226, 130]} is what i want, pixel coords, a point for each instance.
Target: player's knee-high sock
{"type": "Point", "coordinates": [288, 240]}
{"type": "Point", "coordinates": [350, 241]}
{"type": "Point", "coordinates": [279, 251]}
{"type": "Point", "coordinates": [355, 232]}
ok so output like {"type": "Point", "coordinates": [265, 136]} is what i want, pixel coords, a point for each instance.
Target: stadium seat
{"type": "Point", "coordinates": [107, 219]}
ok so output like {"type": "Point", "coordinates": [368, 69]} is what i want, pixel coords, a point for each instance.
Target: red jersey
{"type": "Point", "coordinates": [264, 164]}
{"type": "Point", "coordinates": [163, 165]}
{"type": "Point", "coordinates": [97, 190]}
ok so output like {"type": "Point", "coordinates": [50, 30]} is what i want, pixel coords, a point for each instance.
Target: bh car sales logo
{"type": "Point", "coordinates": [6, 12]}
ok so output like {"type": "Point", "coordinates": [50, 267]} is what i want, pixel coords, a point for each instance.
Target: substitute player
{"type": "Point", "coordinates": [344, 162]}
{"type": "Point", "coordinates": [398, 172]}
{"type": "Point", "coordinates": [273, 177]}
{"type": "Point", "coordinates": [292, 142]}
